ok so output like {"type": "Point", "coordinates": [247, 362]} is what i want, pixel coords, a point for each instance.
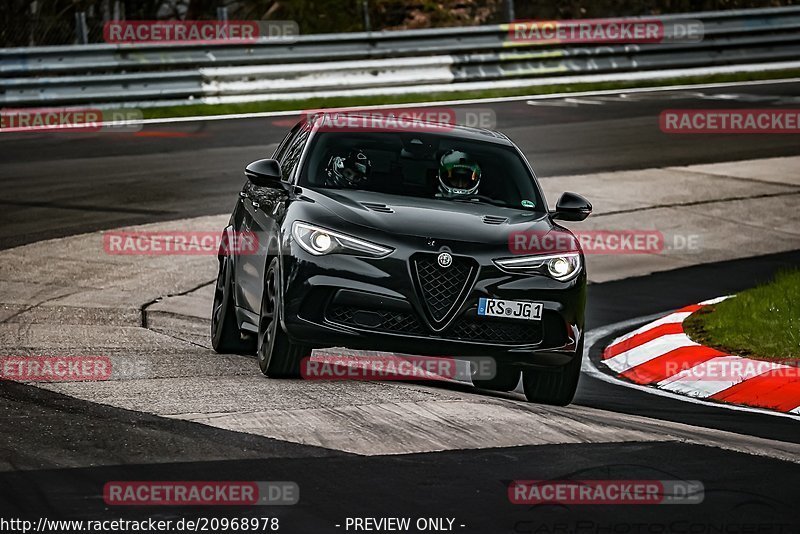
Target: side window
{"type": "Point", "coordinates": [279, 153]}
{"type": "Point", "coordinates": [291, 156]}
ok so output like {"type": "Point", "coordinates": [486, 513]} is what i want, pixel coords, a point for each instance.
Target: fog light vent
{"type": "Point", "coordinates": [367, 318]}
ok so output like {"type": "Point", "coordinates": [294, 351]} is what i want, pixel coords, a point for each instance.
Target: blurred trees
{"type": "Point", "coordinates": [570, 9]}
{"type": "Point", "coordinates": [46, 22]}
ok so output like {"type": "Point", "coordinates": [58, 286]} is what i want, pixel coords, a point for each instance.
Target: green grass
{"type": "Point", "coordinates": [319, 103]}
{"type": "Point", "coordinates": [763, 322]}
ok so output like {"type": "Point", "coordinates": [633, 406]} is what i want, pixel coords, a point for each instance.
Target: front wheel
{"type": "Point", "coordinates": [278, 357]}
{"type": "Point", "coordinates": [554, 386]}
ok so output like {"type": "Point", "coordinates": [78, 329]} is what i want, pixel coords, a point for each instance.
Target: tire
{"type": "Point", "coordinates": [554, 386]}
{"type": "Point", "coordinates": [278, 357]}
{"type": "Point", "coordinates": [505, 379]}
{"type": "Point", "coordinates": [226, 338]}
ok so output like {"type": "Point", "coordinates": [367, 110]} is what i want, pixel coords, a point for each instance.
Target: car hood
{"type": "Point", "coordinates": [430, 218]}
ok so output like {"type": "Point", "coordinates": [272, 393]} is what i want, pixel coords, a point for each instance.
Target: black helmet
{"type": "Point", "coordinates": [350, 171]}
{"type": "Point", "coordinates": [459, 174]}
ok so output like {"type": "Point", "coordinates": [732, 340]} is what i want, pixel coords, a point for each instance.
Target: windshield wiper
{"type": "Point", "coordinates": [480, 198]}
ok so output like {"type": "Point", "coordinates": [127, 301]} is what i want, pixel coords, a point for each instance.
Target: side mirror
{"type": "Point", "coordinates": [572, 207]}
{"type": "Point", "coordinates": [264, 173]}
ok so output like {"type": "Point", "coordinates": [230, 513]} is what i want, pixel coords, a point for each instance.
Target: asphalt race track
{"type": "Point", "coordinates": [66, 449]}
{"type": "Point", "coordinates": [57, 185]}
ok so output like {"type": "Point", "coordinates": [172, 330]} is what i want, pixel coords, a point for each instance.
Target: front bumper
{"type": "Point", "coordinates": [377, 304]}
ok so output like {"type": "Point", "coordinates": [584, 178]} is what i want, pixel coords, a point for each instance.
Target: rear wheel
{"type": "Point", "coordinates": [278, 357]}
{"type": "Point", "coordinates": [554, 386]}
{"type": "Point", "coordinates": [506, 378]}
{"type": "Point", "coordinates": [225, 334]}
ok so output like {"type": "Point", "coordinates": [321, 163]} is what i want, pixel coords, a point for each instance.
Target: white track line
{"type": "Point", "coordinates": [263, 114]}
{"type": "Point", "coordinates": [590, 369]}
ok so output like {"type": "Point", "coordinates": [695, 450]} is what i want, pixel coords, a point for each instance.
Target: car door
{"type": "Point", "coordinates": [264, 211]}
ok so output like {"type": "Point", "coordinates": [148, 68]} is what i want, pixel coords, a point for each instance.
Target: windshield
{"type": "Point", "coordinates": [433, 166]}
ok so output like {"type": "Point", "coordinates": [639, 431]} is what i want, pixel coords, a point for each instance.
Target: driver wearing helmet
{"type": "Point", "coordinates": [351, 171]}
{"type": "Point", "coordinates": [459, 175]}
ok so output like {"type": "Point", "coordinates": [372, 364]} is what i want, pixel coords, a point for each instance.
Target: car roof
{"type": "Point", "coordinates": [453, 130]}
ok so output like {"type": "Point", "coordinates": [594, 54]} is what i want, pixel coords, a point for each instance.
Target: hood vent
{"type": "Point", "coordinates": [374, 206]}
{"type": "Point", "coordinates": [493, 219]}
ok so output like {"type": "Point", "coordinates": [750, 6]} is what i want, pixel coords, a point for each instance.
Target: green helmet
{"type": "Point", "coordinates": [459, 174]}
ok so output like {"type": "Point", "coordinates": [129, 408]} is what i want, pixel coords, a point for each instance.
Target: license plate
{"type": "Point", "coordinates": [510, 309]}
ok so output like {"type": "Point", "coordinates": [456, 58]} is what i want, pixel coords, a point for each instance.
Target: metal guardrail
{"type": "Point", "coordinates": [318, 64]}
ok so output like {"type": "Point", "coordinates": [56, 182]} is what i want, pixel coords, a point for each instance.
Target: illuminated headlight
{"type": "Point", "coordinates": [320, 241]}
{"type": "Point", "coordinates": [561, 267]}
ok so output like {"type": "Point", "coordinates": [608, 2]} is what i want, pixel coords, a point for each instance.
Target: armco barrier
{"type": "Point", "coordinates": [148, 74]}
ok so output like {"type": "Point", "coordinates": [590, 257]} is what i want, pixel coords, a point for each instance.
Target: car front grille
{"type": "Point", "coordinates": [463, 329]}
{"type": "Point", "coordinates": [442, 288]}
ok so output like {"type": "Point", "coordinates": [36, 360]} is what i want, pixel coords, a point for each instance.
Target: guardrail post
{"type": "Point", "coordinates": [81, 32]}
{"type": "Point", "coordinates": [119, 11]}
{"type": "Point", "coordinates": [365, 10]}
{"type": "Point", "coordinates": [510, 10]}
{"type": "Point", "coordinates": [34, 23]}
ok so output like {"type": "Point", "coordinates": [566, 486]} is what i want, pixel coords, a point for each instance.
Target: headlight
{"type": "Point", "coordinates": [561, 267]}
{"type": "Point", "coordinates": [320, 241]}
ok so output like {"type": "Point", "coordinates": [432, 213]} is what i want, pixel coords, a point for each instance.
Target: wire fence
{"type": "Point", "coordinates": [28, 23]}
